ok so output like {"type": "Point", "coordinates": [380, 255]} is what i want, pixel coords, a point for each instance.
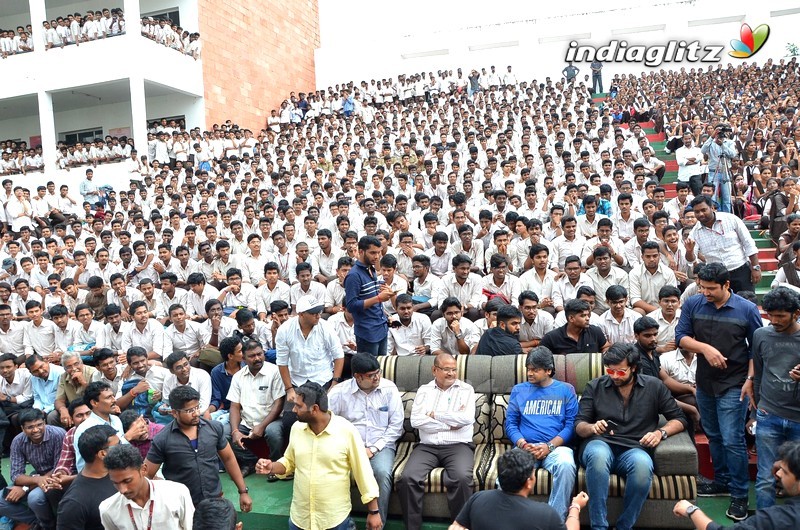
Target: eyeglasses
{"type": "Point", "coordinates": [618, 373]}
{"type": "Point", "coordinates": [447, 370]}
{"type": "Point", "coordinates": [190, 410]}
{"type": "Point", "coordinates": [372, 375]}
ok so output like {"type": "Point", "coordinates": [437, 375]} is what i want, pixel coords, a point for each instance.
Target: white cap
{"type": "Point", "coordinates": [309, 304]}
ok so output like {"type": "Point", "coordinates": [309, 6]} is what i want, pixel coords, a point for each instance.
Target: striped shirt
{"type": "Point", "coordinates": [43, 457]}
{"type": "Point", "coordinates": [362, 283]}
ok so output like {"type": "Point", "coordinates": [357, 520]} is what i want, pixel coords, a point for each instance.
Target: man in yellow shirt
{"type": "Point", "coordinates": [323, 451]}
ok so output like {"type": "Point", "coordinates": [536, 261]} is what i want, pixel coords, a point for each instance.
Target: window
{"type": "Point", "coordinates": [82, 136]}
{"type": "Point", "coordinates": [174, 16]}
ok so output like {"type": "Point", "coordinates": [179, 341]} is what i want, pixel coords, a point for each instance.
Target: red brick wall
{"type": "Point", "coordinates": [254, 54]}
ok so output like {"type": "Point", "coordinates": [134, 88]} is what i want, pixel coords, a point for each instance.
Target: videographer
{"type": "Point", "coordinates": [720, 151]}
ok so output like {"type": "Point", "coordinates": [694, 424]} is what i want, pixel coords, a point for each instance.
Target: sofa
{"type": "Point", "coordinates": [493, 378]}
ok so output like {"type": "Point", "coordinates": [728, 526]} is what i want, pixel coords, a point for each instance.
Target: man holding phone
{"type": "Point", "coordinates": [776, 360]}
{"type": "Point", "coordinates": [364, 296]}
{"type": "Point", "coordinates": [622, 438]}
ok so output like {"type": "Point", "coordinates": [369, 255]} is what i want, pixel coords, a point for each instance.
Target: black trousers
{"type": "Point", "coordinates": [457, 459]}
{"type": "Point", "coordinates": [740, 279]}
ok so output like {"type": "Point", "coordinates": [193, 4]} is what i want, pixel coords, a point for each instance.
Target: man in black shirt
{"type": "Point", "coordinates": [645, 329]}
{"type": "Point", "coordinates": [621, 437]}
{"type": "Point", "coordinates": [776, 517]}
{"type": "Point", "coordinates": [188, 448]}
{"type": "Point", "coordinates": [79, 508]}
{"type": "Point", "coordinates": [577, 335]}
{"type": "Point", "coordinates": [509, 507]}
{"type": "Point", "coordinates": [504, 338]}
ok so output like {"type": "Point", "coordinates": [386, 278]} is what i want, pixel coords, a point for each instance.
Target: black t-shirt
{"type": "Point", "coordinates": [494, 509]}
{"type": "Point", "coordinates": [79, 509]}
{"type": "Point", "coordinates": [498, 342]}
{"type": "Point", "coordinates": [591, 340]}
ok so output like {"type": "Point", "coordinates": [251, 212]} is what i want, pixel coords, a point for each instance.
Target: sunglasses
{"type": "Point", "coordinates": [618, 373]}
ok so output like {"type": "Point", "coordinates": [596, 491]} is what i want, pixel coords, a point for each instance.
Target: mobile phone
{"type": "Point", "coordinates": [612, 425]}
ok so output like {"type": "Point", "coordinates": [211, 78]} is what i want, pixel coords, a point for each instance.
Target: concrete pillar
{"type": "Point", "coordinates": [47, 129]}
{"type": "Point", "coordinates": [138, 114]}
{"type": "Point", "coordinates": [38, 15]}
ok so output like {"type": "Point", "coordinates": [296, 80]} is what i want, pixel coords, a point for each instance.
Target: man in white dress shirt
{"type": "Point", "coordinates": [163, 504]}
{"type": "Point", "coordinates": [444, 413]}
{"type": "Point", "coordinates": [373, 405]}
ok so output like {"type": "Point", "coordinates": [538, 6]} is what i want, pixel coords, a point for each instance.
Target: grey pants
{"type": "Point", "coordinates": [457, 459]}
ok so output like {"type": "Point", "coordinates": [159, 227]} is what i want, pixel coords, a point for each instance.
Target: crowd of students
{"type": "Point", "coordinates": [224, 266]}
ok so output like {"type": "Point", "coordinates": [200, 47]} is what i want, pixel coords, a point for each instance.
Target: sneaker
{"type": "Point", "coordinates": [272, 477]}
{"type": "Point", "coordinates": [712, 489]}
{"type": "Point", "coordinates": [738, 509]}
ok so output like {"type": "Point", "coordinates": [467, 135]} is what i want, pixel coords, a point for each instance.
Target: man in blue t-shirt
{"type": "Point", "coordinates": [364, 294]}
{"type": "Point", "coordinates": [540, 418]}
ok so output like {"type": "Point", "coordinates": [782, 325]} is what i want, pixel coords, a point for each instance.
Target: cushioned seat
{"type": "Point", "coordinates": [493, 378]}
{"type": "Point", "coordinates": [434, 483]}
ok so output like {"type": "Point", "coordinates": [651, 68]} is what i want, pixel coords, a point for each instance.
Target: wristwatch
{"type": "Point", "coordinates": [246, 490]}
{"type": "Point", "coordinates": [664, 434]}
{"type": "Point", "coordinates": [338, 379]}
{"type": "Point", "coordinates": [551, 447]}
{"type": "Point", "coordinates": [756, 267]}
{"type": "Point", "coordinates": [376, 512]}
{"type": "Point", "coordinates": [690, 510]}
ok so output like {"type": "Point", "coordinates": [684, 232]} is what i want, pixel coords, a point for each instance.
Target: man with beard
{"type": "Point", "coordinates": [78, 509]}
{"type": "Point", "coordinates": [256, 395]}
{"type": "Point", "coordinates": [621, 437]}
{"type": "Point", "coordinates": [502, 339]}
{"type": "Point", "coordinates": [321, 493]}
{"type": "Point", "coordinates": [188, 448]}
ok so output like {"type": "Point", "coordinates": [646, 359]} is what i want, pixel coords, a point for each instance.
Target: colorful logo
{"type": "Point", "coordinates": [751, 42]}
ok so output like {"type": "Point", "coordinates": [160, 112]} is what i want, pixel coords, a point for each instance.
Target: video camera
{"type": "Point", "coordinates": [725, 132]}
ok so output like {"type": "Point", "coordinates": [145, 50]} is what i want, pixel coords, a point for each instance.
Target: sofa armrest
{"type": "Point", "coordinates": [676, 455]}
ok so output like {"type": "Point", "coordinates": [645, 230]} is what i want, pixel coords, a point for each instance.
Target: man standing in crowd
{"type": "Point", "coordinates": [711, 323]}
{"type": "Point", "coordinates": [618, 421]}
{"type": "Point", "coordinates": [140, 502]}
{"type": "Point", "coordinates": [357, 400]}
{"type": "Point", "coordinates": [188, 448]}
{"type": "Point", "coordinates": [444, 413]}
{"type": "Point", "coordinates": [776, 360]}
{"type": "Point", "coordinates": [321, 492]}
{"type": "Point", "coordinates": [723, 238]}
{"type": "Point", "coordinates": [365, 294]}
{"type": "Point", "coordinates": [540, 420]}
{"type": "Point", "coordinates": [308, 349]}
{"type": "Point", "coordinates": [79, 507]}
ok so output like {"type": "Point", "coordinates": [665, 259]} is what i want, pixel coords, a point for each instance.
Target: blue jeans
{"type": "Point", "coordinates": [374, 348]}
{"type": "Point", "coordinates": [722, 189]}
{"type": "Point", "coordinates": [382, 469]}
{"type": "Point", "coordinates": [597, 83]}
{"type": "Point", "coordinates": [635, 465]}
{"type": "Point", "coordinates": [723, 420]}
{"type": "Point", "coordinates": [771, 432]}
{"type": "Point", "coordinates": [347, 524]}
{"type": "Point", "coordinates": [561, 464]}
{"type": "Point", "coordinates": [31, 509]}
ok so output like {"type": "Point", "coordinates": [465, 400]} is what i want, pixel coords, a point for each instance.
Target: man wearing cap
{"type": "Point", "coordinates": [307, 349]}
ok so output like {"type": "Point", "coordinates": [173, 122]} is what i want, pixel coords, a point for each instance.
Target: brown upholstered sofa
{"type": "Point", "coordinates": [493, 379]}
